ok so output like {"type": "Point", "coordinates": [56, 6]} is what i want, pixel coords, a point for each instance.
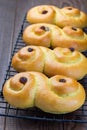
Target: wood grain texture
{"type": "Point", "coordinates": [10, 24]}
{"type": "Point", "coordinates": [7, 15]}
{"type": "Point", "coordinates": [20, 124]}
{"type": "Point", "coordinates": [7, 19]}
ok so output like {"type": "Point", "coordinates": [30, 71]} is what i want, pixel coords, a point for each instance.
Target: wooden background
{"type": "Point", "coordinates": [11, 15]}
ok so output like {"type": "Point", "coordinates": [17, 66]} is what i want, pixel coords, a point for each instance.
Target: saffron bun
{"type": "Point", "coordinates": [57, 95]}
{"type": "Point", "coordinates": [49, 35]}
{"type": "Point", "coordinates": [63, 61]}
{"type": "Point", "coordinates": [60, 16]}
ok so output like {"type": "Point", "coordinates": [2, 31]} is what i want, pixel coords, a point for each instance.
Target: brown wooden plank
{"type": "Point", "coordinates": [20, 124]}
{"type": "Point", "coordinates": [7, 15]}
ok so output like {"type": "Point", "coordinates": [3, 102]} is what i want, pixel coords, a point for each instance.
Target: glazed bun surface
{"type": "Point", "coordinates": [60, 16]}
{"type": "Point", "coordinates": [49, 35]}
{"type": "Point", "coordinates": [63, 61]}
{"type": "Point", "coordinates": [58, 94]}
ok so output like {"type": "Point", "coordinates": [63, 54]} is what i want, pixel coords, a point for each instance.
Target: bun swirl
{"type": "Point", "coordinates": [60, 16]}
{"type": "Point", "coordinates": [48, 35]}
{"type": "Point", "coordinates": [19, 90]}
{"type": "Point", "coordinates": [63, 61]}
{"type": "Point", "coordinates": [29, 58]}
{"type": "Point", "coordinates": [67, 62]}
{"type": "Point", "coordinates": [58, 95]}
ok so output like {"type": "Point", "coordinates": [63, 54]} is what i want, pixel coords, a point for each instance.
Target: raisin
{"type": "Point", "coordinates": [23, 80]}
{"type": "Point", "coordinates": [30, 49]}
{"type": "Point", "coordinates": [62, 80]}
{"type": "Point", "coordinates": [44, 12]}
{"type": "Point", "coordinates": [72, 49]}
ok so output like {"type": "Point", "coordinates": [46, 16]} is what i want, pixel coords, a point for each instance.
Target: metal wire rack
{"type": "Point", "coordinates": [79, 116]}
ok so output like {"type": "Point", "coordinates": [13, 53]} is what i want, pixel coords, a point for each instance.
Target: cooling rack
{"type": "Point", "coordinates": [79, 116]}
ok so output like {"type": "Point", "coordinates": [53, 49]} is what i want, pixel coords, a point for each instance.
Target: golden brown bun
{"type": "Point", "coordinates": [59, 94]}
{"type": "Point", "coordinates": [62, 17]}
{"type": "Point", "coordinates": [29, 58]}
{"type": "Point", "coordinates": [64, 61]}
{"type": "Point", "coordinates": [49, 35]}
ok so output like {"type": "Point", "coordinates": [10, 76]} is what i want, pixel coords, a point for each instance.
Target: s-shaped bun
{"type": "Point", "coordinates": [58, 95]}
{"type": "Point", "coordinates": [60, 16]}
{"type": "Point", "coordinates": [49, 35]}
{"type": "Point", "coordinates": [64, 61]}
